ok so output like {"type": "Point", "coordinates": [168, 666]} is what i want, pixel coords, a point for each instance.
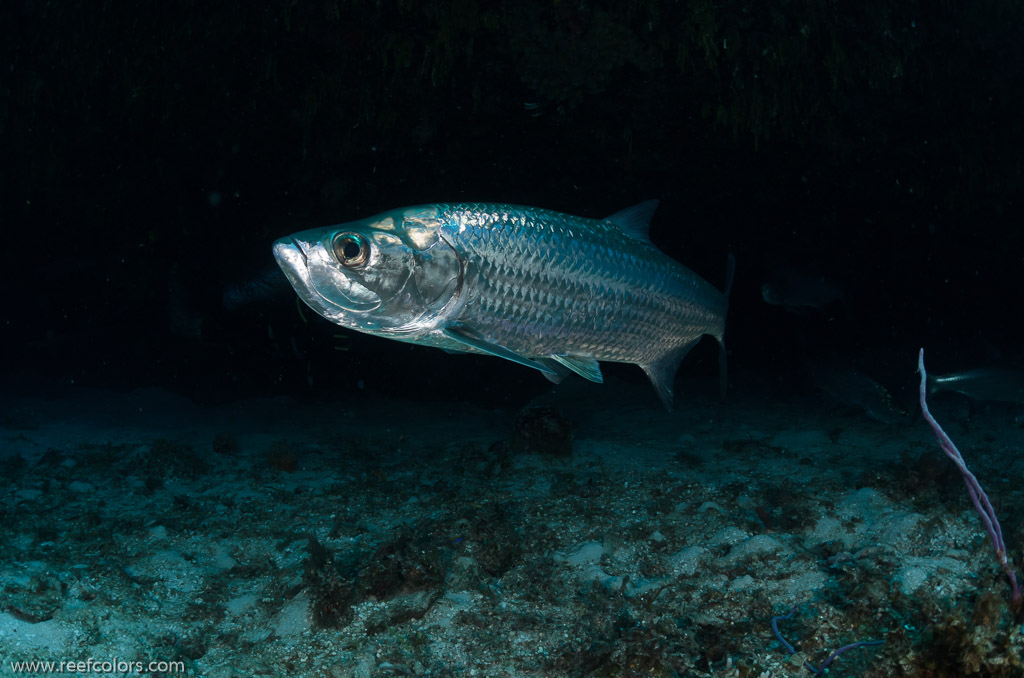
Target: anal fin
{"type": "Point", "coordinates": [662, 372]}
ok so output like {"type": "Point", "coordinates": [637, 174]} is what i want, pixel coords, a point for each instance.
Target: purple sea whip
{"type": "Point", "coordinates": [978, 496]}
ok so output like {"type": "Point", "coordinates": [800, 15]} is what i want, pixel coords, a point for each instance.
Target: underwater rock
{"type": "Point", "coordinates": [542, 430]}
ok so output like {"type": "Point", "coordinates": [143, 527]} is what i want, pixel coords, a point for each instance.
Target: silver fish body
{"type": "Point", "coordinates": [552, 291]}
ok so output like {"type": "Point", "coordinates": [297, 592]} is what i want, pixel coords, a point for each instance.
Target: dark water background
{"type": "Point", "coordinates": [151, 154]}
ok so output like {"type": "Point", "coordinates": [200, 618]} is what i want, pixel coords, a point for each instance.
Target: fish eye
{"type": "Point", "coordinates": [351, 249]}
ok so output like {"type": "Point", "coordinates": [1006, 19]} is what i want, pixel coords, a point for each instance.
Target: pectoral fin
{"type": "Point", "coordinates": [469, 337]}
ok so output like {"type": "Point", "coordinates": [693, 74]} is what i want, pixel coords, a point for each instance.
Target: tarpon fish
{"type": "Point", "coordinates": [551, 291]}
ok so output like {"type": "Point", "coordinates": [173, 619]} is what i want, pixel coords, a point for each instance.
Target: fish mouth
{"type": "Point", "coordinates": [293, 262]}
{"type": "Point", "coordinates": [319, 282]}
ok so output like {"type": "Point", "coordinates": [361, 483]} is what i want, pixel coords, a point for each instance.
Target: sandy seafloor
{"type": "Point", "coordinates": [279, 538]}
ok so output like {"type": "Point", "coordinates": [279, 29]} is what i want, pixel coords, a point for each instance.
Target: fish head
{"type": "Point", "coordinates": [391, 274]}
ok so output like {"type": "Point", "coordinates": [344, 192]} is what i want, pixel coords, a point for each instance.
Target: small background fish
{"type": "Point", "coordinates": [802, 293]}
{"type": "Point", "coordinates": [983, 384]}
{"type": "Point", "coordinates": [849, 387]}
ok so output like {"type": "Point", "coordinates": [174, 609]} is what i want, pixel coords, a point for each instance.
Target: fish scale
{"type": "Point", "coordinates": [551, 291]}
{"type": "Point", "coordinates": [618, 299]}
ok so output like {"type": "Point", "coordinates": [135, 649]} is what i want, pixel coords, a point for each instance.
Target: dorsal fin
{"type": "Point", "coordinates": [635, 221]}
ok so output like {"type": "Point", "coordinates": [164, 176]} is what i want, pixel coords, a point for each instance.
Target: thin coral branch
{"type": "Point", "coordinates": [978, 496]}
{"type": "Point", "coordinates": [818, 670]}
